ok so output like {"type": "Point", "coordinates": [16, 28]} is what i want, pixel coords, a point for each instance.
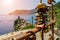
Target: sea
{"type": "Point", "coordinates": [7, 22]}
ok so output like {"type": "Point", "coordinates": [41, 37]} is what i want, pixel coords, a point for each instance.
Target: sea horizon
{"type": "Point", "coordinates": [7, 22]}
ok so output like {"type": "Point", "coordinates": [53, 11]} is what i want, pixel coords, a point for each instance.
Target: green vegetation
{"type": "Point", "coordinates": [57, 14]}
{"type": "Point", "coordinates": [57, 5]}
{"type": "Point", "coordinates": [18, 24]}
{"type": "Point", "coordinates": [28, 27]}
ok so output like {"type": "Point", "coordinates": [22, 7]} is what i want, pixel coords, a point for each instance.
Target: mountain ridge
{"type": "Point", "coordinates": [57, 5]}
{"type": "Point", "coordinates": [22, 12]}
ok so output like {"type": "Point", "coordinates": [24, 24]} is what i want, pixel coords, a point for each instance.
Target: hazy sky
{"type": "Point", "coordinates": [7, 6]}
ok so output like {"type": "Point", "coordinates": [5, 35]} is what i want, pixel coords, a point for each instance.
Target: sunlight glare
{"type": "Point", "coordinates": [7, 2]}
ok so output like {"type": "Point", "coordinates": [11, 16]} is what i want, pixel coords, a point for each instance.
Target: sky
{"type": "Point", "coordinates": [8, 6]}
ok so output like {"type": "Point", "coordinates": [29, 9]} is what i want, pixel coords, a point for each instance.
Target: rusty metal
{"type": "Point", "coordinates": [23, 36]}
{"type": "Point", "coordinates": [33, 36]}
{"type": "Point", "coordinates": [50, 1]}
{"type": "Point", "coordinates": [40, 1]}
{"type": "Point", "coordinates": [42, 35]}
{"type": "Point", "coordinates": [26, 35]}
{"type": "Point", "coordinates": [52, 17]}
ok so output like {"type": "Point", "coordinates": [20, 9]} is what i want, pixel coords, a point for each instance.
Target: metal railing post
{"type": "Point", "coordinates": [52, 18]}
{"type": "Point", "coordinates": [40, 1]}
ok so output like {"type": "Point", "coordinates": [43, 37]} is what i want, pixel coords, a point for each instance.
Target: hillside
{"type": "Point", "coordinates": [57, 4]}
{"type": "Point", "coordinates": [22, 12]}
{"type": "Point", "coordinates": [57, 14]}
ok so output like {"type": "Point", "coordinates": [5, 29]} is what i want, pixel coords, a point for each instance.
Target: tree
{"type": "Point", "coordinates": [17, 24]}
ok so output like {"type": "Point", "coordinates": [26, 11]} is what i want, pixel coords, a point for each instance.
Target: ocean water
{"type": "Point", "coordinates": [7, 22]}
